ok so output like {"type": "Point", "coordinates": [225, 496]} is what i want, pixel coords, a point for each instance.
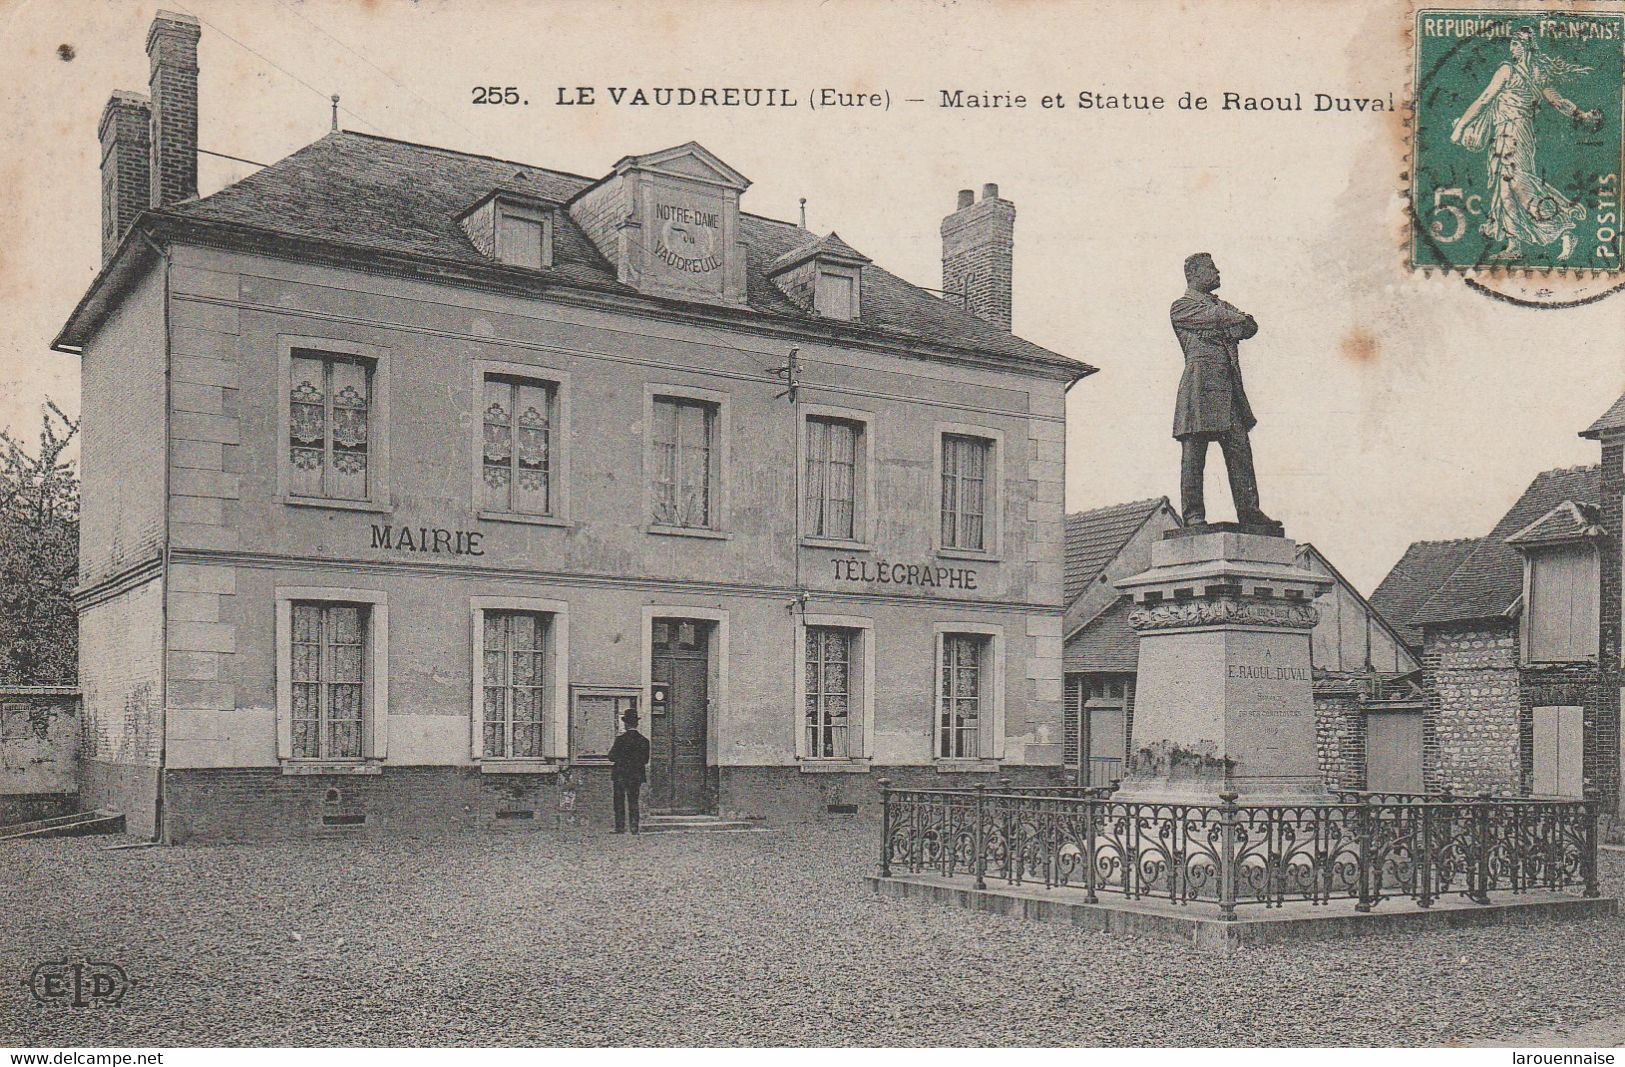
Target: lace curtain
{"type": "Point", "coordinates": [329, 403]}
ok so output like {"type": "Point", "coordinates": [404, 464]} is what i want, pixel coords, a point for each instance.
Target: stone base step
{"type": "Point", "coordinates": [667, 823]}
{"type": "Point", "coordinates": [82, 824]}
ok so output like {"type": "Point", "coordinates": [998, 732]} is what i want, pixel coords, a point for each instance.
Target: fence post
{"type": "Point", "coordinates": [885, 828]}
{"type": "Point", "coordinates": [1007, 826]}
{"type": "Point", "coordinates": [1481, 830]}
{"type": "Point", "coordinates": [1227, 857]}
{"type": "Point", "coordinates": [979, 835]}
{"type": "Point", "coordinates": [1090, 848]}
{"type": "Point", "coordinates": [1588, 862]}
{"type": "Point", "coordinates": [1364, 828]}
{"type": "Point", "coordinates": [1424, 865]}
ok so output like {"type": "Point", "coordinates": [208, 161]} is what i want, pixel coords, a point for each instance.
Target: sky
{"type": "Point", "coordinates": [1392, 406]}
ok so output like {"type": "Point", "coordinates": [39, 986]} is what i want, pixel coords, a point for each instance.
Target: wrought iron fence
{"type": "Point", "coordinates": [1363, 850]}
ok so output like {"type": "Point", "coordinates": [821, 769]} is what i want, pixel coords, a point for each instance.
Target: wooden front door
{"type": "Point", "coordinates": [677, 759]}
{"type": "Point", "coordinates": [1393, 751]}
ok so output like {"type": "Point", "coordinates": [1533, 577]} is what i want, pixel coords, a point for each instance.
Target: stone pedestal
{"type": "Point", "coordinates": [1224, 697]}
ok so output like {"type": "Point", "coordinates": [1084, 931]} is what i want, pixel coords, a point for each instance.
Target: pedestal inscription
{"type": "Point", "coordinates": [1225, 699]}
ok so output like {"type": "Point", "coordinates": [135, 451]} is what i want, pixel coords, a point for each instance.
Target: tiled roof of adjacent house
{"type": "Point", "coordinates": [1417, 576]}
{"type": "Point", "coordinates": [1569, 521]}
{"type": "Point", "coordinates": [374, 193]}
{"type": "Point", "coordinates": [1106, 643]}
{"type": "Point", "coordinates": [1490, 580]}
{"type": "Point", "coordinates": [1094, 538]}
{"type": "Point", "coordinates": [1613, 419]}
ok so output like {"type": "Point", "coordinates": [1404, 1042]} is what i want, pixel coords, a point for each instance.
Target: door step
{"type": "Point", "coordinates": [83, 824]}
{"type": "Point", "coordinates": [692, 824]}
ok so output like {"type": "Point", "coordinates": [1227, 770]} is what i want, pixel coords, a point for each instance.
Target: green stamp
{"type": "Point", "coordinates": [1517, 145]}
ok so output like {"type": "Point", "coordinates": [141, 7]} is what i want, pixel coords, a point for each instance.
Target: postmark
{"type": "Point", "coordinates": [1518, 146]}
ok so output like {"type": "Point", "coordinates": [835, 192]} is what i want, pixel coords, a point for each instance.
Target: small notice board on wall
{"type": "Point", "coordinates": [595, 719]}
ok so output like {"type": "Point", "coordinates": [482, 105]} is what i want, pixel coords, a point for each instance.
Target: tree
{"type": "Point", "coordinates": [39, 555]}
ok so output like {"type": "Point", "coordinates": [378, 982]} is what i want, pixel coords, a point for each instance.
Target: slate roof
{"type": "Point", "coordinates": [1094, 538]}
{"type": "Point", "coordinates": [1613, 419]}
{"type": "Point", "coordinates": [1105, 644]}
{"type": "Point", "coordinates": [375, 193]}
{"type": "Point", "coordinates": [1566, 522]}
{"type": "Point", "coordinates": [1417, 576]}
{"type": "Point", "coordinates": [1490, 580]}
{"type": "Point", "coordinates": [828, 245]}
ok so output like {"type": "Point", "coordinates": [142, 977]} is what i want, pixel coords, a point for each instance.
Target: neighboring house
{"type": "Point", "coordinates": [1420, 572]}
{"type": "Point", "coordinates": [1102, 652]}
{"type": "Point", "coordinates": [408, 471]}
{"type": "Point", "coordinates": [1520, 638]}
{"type": "Point", "coordinates": [1357, 655]}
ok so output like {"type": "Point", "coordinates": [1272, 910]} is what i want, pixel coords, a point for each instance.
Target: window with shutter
{"type": "Point", "coordinates": [329, 408]}
{"type": "Point", "coordinates": [517, 458]}
{"type": "Point", "coordinates": [520, 238]}
{"type": "Point", "coordinates": [1561, 615]}
{"type": "Point", "coordinates": [832, 488]}
{"type": "Point", "coordinates": [515, 683]}
{"type": "Point", "coordinates": [966, 462]}
{"type": "Point", "coordinates": [328, 678]}
{"type": "Point", "coordinates": [960, 696]}
{"type": "Point", "coordinates": [685, 476]}
{"type": "Point", "coordinates": [832, 679]}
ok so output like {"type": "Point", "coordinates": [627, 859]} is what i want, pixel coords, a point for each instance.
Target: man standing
{"type": "Point", "coordinates": [630, 755]}
{"type": "Point", "coordinates": [1212, 405]}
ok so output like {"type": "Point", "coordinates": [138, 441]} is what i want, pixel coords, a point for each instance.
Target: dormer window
{"type": "Point", "coordinates": [522, 235]}
{"type": "Point", "coordinates": [1562, 584]}
{"type": "Point", "coordinates": [823, 275]}
{"type": "Point", "coordinates": [1560, 614]}
{"type": "Point", "coordinates": [512, 228]}
{"type": "Point", "coordinates": [837, 295]}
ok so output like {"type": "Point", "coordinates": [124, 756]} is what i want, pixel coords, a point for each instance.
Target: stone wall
{"type": "Point", "coordinates": [1340, 736]}
{"type": "Point", "coordinates": [254, 803]}
{"type": "Point", "coordinates": [1470, 673]}
{"type": "Point", "coordinates": [121, 677]}
{"type": "Point", "coordinates": [39, 752]}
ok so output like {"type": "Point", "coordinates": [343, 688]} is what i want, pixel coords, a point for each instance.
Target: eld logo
{"type": "Point", "coordinates": [86, 984]}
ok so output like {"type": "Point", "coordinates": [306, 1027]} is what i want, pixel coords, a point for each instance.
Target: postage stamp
{"type": "Point", "coordinates": [1516, 151]}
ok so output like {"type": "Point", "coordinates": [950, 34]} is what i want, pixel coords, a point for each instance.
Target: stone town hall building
{"type": "Point", "coordinates": [406, 471]}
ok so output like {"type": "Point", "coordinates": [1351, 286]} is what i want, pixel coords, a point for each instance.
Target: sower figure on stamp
{"type": "Point", "coordinates": [630, 755]}
{"type": "Point", "coordinates": [1212, 405]}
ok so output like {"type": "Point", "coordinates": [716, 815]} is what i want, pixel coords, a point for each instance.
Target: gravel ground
{"type": "Point", "coordinates": [735, 939]}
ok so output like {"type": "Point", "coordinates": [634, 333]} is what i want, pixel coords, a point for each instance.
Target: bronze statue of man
{"type": "Point", "coordinates": [1212, 405]}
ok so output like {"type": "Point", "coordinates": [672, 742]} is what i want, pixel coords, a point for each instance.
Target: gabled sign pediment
{"type": "Point", "coordinates": [692, 161]}
{"type": "Point", "coordinates": [669, 221]}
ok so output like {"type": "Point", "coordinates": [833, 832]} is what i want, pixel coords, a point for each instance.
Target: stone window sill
{"type": "Point", "coordinates": [336, 505]}
{"type": "Point", "coordinates": [966, 766]}
{"type": "Point", "coordinates": [518, 766]}
{"type": "Point", "coordinates": [976, 555]}
{"type": "Point", "coordinates": [839, 544]}
{"type": "Point", "coordinates": [524, 519]}
{"type": "Point", "coordinates": [834, 766]}
{"type": "Point", "coordinates": [311, 766]}
{"type": "Point", "coordinates": [690, 531]}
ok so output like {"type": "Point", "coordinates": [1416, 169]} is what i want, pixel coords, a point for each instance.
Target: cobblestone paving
{"type": "Point", "coordinates": [538, 938]}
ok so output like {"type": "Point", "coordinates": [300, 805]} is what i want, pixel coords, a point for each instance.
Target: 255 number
{"type": "Point", "coordinates": [497, 94]}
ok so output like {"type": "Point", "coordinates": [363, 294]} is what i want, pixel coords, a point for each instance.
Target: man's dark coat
{"type": "Point", "coordinates": [1211, 399]}
{"type": "Point", "coordinates": [629, 754]}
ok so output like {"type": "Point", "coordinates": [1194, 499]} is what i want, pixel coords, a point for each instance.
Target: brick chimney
{"type": "Point", "coordinates": [172, 47]}
{"type": "Point", "coordinates": [978, 250]}
{"type": "Point", "coordinates": [126, 136]}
